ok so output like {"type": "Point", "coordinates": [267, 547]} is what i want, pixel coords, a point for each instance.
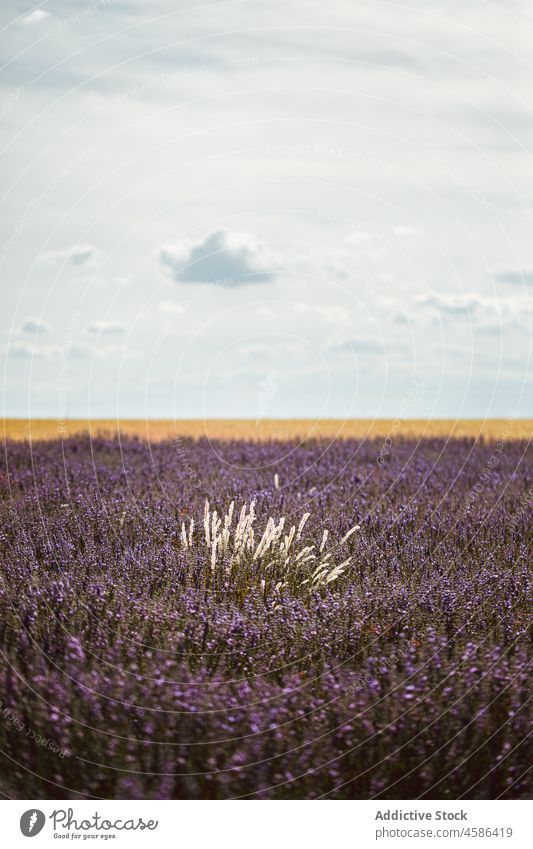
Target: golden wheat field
{"type": "Point", "coordinates": [155, 430]}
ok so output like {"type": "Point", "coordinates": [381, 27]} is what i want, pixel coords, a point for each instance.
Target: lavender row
{"type": "Point", "coordinates": [214, 620]}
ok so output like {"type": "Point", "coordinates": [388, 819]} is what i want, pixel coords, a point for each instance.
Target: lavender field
{"type": "Point", "coordinates": [344, 620]}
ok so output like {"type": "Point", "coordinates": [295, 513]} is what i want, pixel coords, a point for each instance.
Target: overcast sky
{"type": "Point", "coordinates": [262, 209]}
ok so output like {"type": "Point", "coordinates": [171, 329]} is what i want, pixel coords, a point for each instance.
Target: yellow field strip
{"type": "Point", "coordinates": [268, 429]}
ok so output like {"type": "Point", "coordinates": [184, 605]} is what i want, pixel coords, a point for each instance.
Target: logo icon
{"type": "Point", "coordinates": [32, 822]}
{"type": "Point", "coordinates": [267, 389]}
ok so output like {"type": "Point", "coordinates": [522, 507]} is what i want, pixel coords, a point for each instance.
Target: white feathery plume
{"type": "Point", "coordinates": [286, 544]}
{"type": "Point", "coordinates": [215, 525]}
{"type": "Point", "coordinates": [213, 556]}
{"type": "Point", "coordinates": [206, 522]}
{"type": "Point", "coordinates": [350, 532]}
{"type": "Point", "coordinates": [302, 524]}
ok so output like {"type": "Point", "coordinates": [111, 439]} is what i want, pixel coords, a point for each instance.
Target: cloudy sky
{"type": "Point", "coordinates": [262, 209]}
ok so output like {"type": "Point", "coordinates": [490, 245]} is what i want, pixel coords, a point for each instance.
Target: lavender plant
{"type": "Point", "coordinates": [265, 620]}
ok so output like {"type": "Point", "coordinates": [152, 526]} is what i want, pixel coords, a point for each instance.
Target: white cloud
{"type": "Point", "coordinates": [459, 306]}
{"type": "Point", "coordinates": [515, 276]}
{"type": "Point", "coordinates": [332, 313]}
{"type": "Point", "coordinates": [355, 344]}
{"type": "Point", "coordinates": [358, 236]}
{"type": "Point", "coordinates": [35, 16]}
{"type": "Point", "coordinates": [29, 351]}
{"type": "Point", "coordinates": [121, 280]}
{"type": "Point", "coordinates": [276, 348]}
{"type": "Point", "coordinates": [84, 351]}
{"type": "Point", "coordinates": [77, 255]}
{"type": "Point", "coordinates": [106, 327]}
{"type": "Point", "coordinates": [222, 258]}
{"type": "Point", "coordinates": [76, 351]}
{"type": "Point", "coordinates": [406, 231]}
{"type": "Point", "coordinates": [34, 325]}
{"type": "Point", "coordinates": [171, 308]}
{"type": "Point", "coordinates": [488, 315]}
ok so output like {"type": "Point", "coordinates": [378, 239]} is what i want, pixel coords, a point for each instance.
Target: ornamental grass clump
{"type": "Point", "coordinates": [241, 558]}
